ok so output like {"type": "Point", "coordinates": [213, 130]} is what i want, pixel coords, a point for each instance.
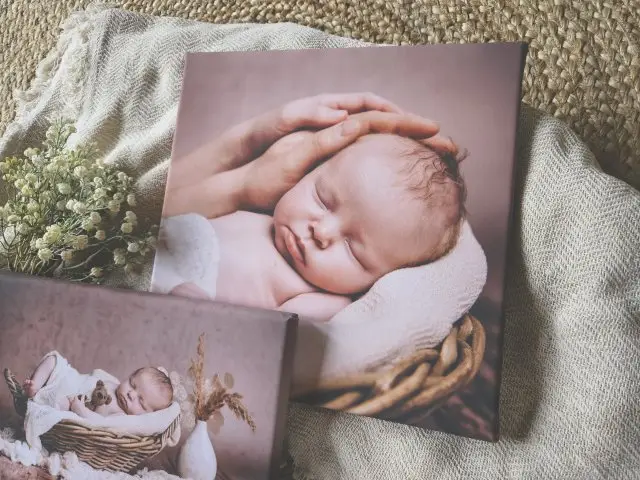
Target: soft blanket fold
{"type": "Point", "coordinates": [570, 395]}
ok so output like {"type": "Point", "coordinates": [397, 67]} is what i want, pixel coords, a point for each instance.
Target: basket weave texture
{"type": "Point", "coordinates": [99, 448]}
{"type": "Point", "coordinates": [414, 386]}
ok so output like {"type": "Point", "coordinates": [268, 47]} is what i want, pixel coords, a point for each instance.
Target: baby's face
{"type": "Point", "coordinates": [140, 394]}
{"type": "Point", "coordinates": [351, 220]}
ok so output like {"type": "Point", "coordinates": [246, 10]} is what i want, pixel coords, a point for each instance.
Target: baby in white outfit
{"type": "Point", "coordinates": [385, 202]}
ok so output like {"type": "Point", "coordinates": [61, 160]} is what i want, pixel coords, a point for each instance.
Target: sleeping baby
{"type": "Point", "coordinates": [55, 383]}
{"type": "Point", "coordinates": [383, 203]}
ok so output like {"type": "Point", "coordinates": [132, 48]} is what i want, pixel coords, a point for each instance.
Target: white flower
{"type": "Point", "coordinates": [113, 206]}
{"type": "Point", "coordinates": [87, 225]}
{"type": "Point", "coordinates": [80, 208]}
{"type": "Point", "coordinates": [99, 193]}
{"type": "Point", "coordinates": [133, 247]}
{"type": "Point", "coordinates": [40, 243]}
{"type": "Point", "coordinates": [13, 219]}
{"type": "Point", "coordinates": [101, 235]}
{"type": "Point", "coordinates": [61, 204]}
{"type": "Point", "coordinates": [51, 237]}
{"type": "Point", "coordinates": [30, 152]}
{"type": "Point", "coordinates": [80, 171]}
{"type": "Point", "coordinates": [27, 191]}
{"type": "Point", "coordinates": [122, 176]}
{"type": "Point", "coordinates": [46, 196]}
{"type": "Point", "coordinates": [119, 257]}
{"type": "Point", "coordinates": [79, 242]}
{"type": "Point", "coordinates": [19, 183]}
{"type": "Point", "coordinates": [4, 167]}
{"type": "Point", "coordinates": [118, 197]}
{"type": "Point", "coordinates": [126, 227]}
{"type": "Point", "coordinates": [96, 272]}
{"type": "Point", "coordinates": [97, 181]}
{"type": "Point", "coordinates": [53, 233]}
{"type": "Point", "coordinates": [45, 254]}
{"type": "Point", "coordinates": [64, 188]}
{"type": "Point", "coordinates": [31, 178]}
{"type": "Point", "coordinates": [130, 216]}
{"type": "Point", "coordinates": [67, 255]}
{"type": "Point", "coordinates": [33, 206]}
{"type": "Point", "coordinates": [131, 199]}
{"type": "Point", "coordinates": [22, 228]}
{"type": "Point", "coordinates": [95, 217]}
{"type": "Point", "coordinates": [71, 204]}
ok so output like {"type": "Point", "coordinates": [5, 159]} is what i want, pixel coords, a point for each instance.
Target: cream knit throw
{"type": "Point", "coordinates": [570, 397]}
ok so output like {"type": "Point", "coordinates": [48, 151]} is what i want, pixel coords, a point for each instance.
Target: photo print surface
{"type": "Point", "coordinates": [123, 381]}
{"type": "Point", "coordinates": [369, 191]}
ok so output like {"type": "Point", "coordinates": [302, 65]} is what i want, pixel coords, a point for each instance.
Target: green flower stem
{"type": "Point", "coordinates": [86, 261]}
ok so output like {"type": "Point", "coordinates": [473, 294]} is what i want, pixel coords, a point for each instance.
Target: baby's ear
{"type": "Point", "coordinates": [108, 400]}
{"type": "Point", "coordinates": [100, 384]}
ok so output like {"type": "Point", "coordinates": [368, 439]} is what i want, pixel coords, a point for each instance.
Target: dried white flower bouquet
{"type": "Point", "coordinates": [67, 214]}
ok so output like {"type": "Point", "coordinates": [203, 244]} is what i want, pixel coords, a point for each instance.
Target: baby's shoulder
{"type": "Point", "coordinates": [243, 218]}
{"type": "Point", "coordinates": [243, 226]}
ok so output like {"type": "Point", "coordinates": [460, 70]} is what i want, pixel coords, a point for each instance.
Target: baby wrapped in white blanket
{"type": "Point", "coordinates": [141, 405]}
{"type": "Point", "coordinates": [371, 244]}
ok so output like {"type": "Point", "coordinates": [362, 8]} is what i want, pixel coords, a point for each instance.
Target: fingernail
{"type": "Point", "coordinates": [349, 127]}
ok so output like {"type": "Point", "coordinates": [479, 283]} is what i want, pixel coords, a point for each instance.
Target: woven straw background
{"type": "Point", "coordinates": [583, 64]}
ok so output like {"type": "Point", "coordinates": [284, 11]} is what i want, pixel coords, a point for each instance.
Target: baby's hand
{"type": "Point", "coordinates": [77, 406]}
{"type": "Point", "coordinates": [29, 388]}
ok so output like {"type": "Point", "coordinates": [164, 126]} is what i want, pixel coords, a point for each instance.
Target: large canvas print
{"type": "Point", "coordinates": [369, 191]}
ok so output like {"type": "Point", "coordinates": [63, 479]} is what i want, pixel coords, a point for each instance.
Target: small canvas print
{"type": "Point", "coordinates": [105, 383]}
{"type": "Point", "coordinates": [369, 191]}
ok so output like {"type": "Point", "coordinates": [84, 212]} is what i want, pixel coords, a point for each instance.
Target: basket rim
{"type": "Point", "coordinates": [414, 384]}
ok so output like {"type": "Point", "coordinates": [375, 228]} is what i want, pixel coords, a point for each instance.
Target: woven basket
{"type": "Point", "coordinates": [100, 448]}
{"type": "Point", "coordinates": [411, 389]}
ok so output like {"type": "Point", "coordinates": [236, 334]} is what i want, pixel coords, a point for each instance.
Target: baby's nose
{"type": "Point", "coordinates": [325, 232]}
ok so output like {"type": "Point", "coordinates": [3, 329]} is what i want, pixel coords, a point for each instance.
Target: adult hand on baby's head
{"type": "Point", "coordinates": [254, 136]}
{"type": "Point", "coordinates": [269, 177]}
{"type": "Point", "coordinates": [208, 180]}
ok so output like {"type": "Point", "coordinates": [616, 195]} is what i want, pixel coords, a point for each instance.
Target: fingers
{"type": "Point", "coordinates": [305, 114]}
{"type": "Point", "coordinates": [326, 110]}
{"type": "Point", "coordinates": [312, 148]}
{"type": "Point", "coordinates": [405, 124]}
{"type": "Point", "coordinates": [360, 102]}
{"type": "Point", "coordinates": [440, 143]}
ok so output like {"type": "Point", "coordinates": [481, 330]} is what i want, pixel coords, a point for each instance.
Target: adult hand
{"type": "Point", "coordinates": [269, 177]}
{"type": "Point", "coordinates": [248, 140]}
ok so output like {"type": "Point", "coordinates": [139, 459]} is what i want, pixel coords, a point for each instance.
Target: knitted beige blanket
{"type": "Point", "coordinates": [570, 397]}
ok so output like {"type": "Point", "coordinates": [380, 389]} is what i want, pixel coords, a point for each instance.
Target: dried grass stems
{"type": "Point", "coordinates": [210, 399]}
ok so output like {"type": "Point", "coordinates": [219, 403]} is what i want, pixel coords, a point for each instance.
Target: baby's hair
{"type": "Point", "coordinates": [434, 176]}
{"type": "Point", "coordinates": [159, 378]}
